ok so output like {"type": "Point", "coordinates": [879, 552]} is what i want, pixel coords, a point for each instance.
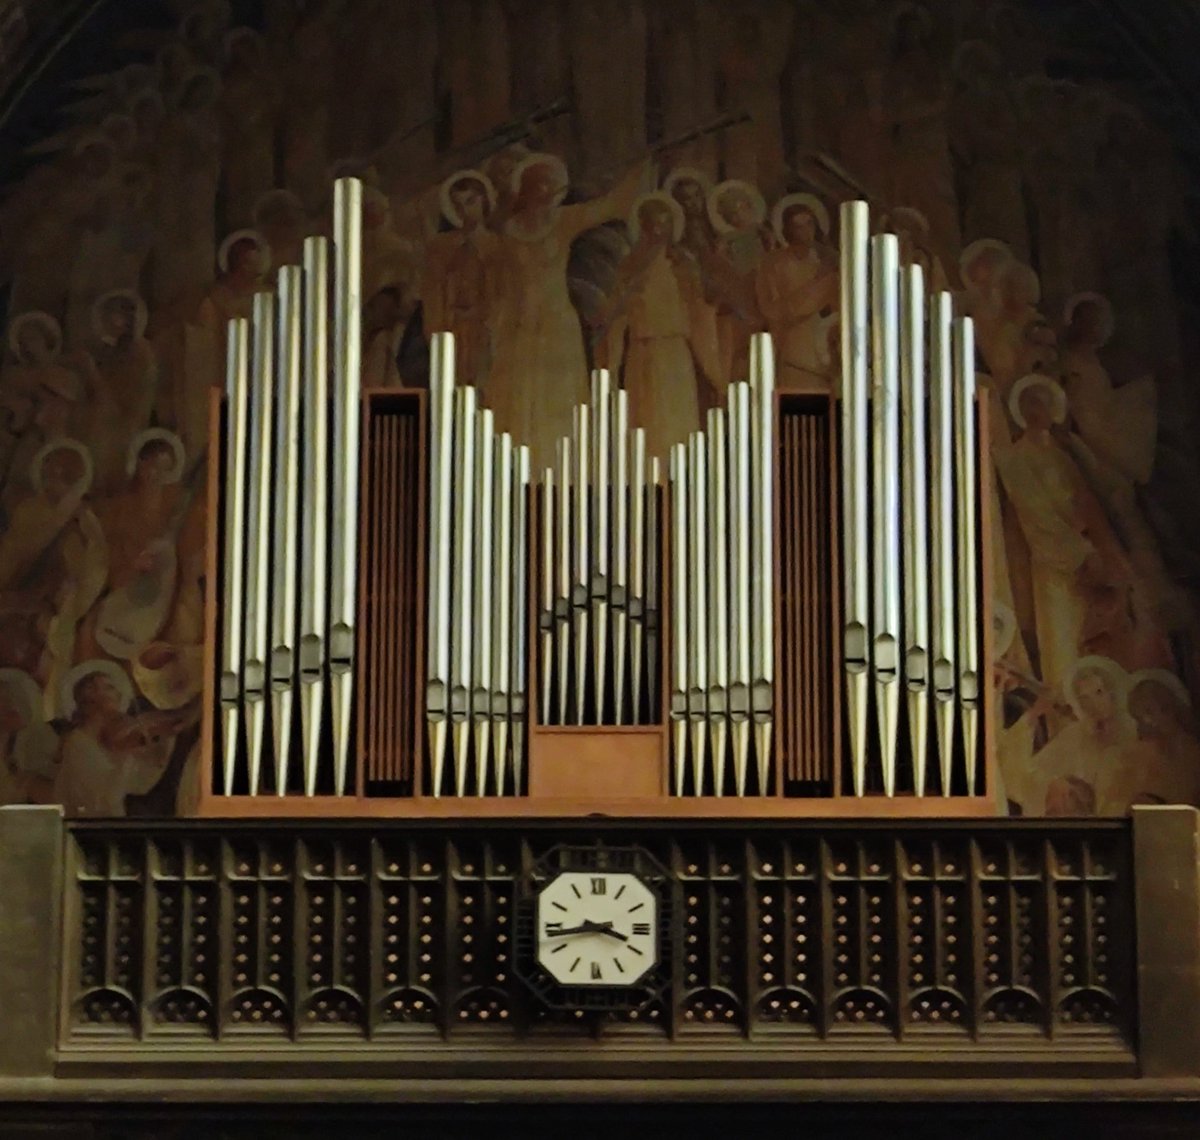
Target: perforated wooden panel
{"type": "Point", "coordinates": [998, 940]}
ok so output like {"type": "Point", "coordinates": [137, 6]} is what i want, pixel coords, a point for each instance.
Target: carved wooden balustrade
{"type": "Point", "coordinates": [960, 944]}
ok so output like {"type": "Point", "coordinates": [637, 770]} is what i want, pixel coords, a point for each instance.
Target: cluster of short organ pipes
{"type": "Point", "coordinates": [290, 523]}
{"type": "Point", "coordinates": [722, 607]}
{"type": "Point", "coordinates": [476, 666]}
{"type": "Point", "coordinates": [599, 565]}
{"type": "Point", "coordinates": [910, 549]}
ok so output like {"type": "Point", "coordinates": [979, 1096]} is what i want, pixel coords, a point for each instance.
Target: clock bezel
{"type": "Point", "coordinates": [596, 858]}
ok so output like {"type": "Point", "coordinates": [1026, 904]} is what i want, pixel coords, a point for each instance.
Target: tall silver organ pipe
{"type": "Point", "coordinates": [546, 617]}
{"type": "Point", "coordinates": [519, 588]}
{"type": "Point", "coordinates": [885, 490]}
{"type": "Point", "coordinates": [651, 599]}
{"type": "Point", "coordinates": [639, 495]}
{"type": "Point", "coordinates": [739, 578]}
{"type": "Point", "coordinates": [762, 563]}
{"type": "Point", "coordinates": [258, 550]}
{"type": "Point", "coordinates": [619, 568]}
{"type": "Point", "coordinates": [601, 475]}
{"type": "Point", "coordinates": [679, 614]}
{"type": "Point", "coordinates": [855, 329]}
{"type": "Point", "coordinates": [441, 457]}
{"type": "Point", "coordinates": [581, 582]}
{"type": "Point", "coordinates": [286, 520]}
{"type": "Point", "coordinates": [562, 600]}
{"type": "Point", "coordinates": [314, 511]}
{"type": "Point", "coordinates": [718, 595]}
{"type": "Point", "coordinates": [942, 599]}
{"type": "Point", "coordinates": [237, 388]}
{"type": "Point", "coordinates": [463, 583]}
{"type": "Point", "coordinates": [502, 599]}
{"type": "Point", "coordinates": [914, 471]}
{"type": "Point", "coordinates": [698, 647]}
{"type": "Point", "coordinates": [484, 568]}
{"type": "Point", "coordinates": [966, 504]}
{"type": "Point", "coordinates": [347, 380]}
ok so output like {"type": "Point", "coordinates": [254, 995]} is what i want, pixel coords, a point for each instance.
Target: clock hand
{"type": "Point", "coordinates": [586, 928]}
{"type": "Point", "coordinates": [605, 928]}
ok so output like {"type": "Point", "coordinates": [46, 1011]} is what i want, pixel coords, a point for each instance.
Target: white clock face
{"type": "Point", "coordinates": [597, 929]}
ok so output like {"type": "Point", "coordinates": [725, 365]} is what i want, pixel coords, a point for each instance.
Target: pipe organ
{"type": "Point", "coordinates": [785, 615]}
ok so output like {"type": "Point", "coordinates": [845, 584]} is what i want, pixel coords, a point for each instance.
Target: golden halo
{"type": "Point", "coordinates": [810, 202]}
{"type": "Point", "coordinates": [1033, 380]}
{"type": "Point", "coordinates": [62, 443]}
{"type": "Point", "coordinates": [721, 190]}
{"type": "Point", "coordinates": [635, 219]}
{"type": "Point", "coordinates": [1162, 677]}
{"type": "Point", "coordinates": [141, 316]}
{"type": "Point", "coordinates": [113, 671]}
{"type": "Point", "coordinates": [542, 158]}
{"type": "Point", "coordinates": [1004, 628]}
{"type": "Point", "coordinates": [1114, 676]}
{"type": "Point", "coordinates": [233, 239]}
{"type": "Point", "coordinates": [917, 219]}
{"type": "Point", "coordinates": [971, 254]}
{"type": "Point", "coordinates": [172, 684]}
{"type": "Point", "coordinates": [142, 438]}
{"type": "Point", "coordinates": [35, 317]}
{"type": "Point", "coordinates": [449, 210]}
{"type": "Point", "coordinates": [1097, 298]}
{"type": "Point", "coordinates": [24, 692]}
{"type": "Point", "coordinates": [688, 174]}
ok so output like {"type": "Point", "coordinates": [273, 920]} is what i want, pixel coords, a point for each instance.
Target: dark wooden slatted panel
{"type": "Point", "coordinates": [392, 531]}
{"type": "Point", "coordinates": [804, 691]}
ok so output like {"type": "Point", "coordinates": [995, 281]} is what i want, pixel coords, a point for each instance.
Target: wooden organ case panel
{"type": "Point", "coordinates": [391, 586]}
{"type": "Point", "coordinates": [806, 574]}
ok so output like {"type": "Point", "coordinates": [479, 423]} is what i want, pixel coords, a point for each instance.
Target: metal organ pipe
{"type": "Point", "coordinates": [347, 380]}
{"type": "Point", "coordinates": [856, 650]}
{"type": "Point", "coordinates": [314, 508]}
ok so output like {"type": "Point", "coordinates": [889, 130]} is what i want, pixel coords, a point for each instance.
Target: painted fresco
{"type": "Point", "coordinates": [641, 185]}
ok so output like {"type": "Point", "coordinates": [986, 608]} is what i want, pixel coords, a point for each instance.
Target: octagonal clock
{"type": "Point", "coordinates": [592, 928]}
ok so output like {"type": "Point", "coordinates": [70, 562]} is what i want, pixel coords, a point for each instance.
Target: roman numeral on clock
{"type": "Point", "coordinates": [641, 928]}
{"type": "Point", "coordinates": [596, 971]}
{"type": "Point", "coordinates": [599, 886]}
{"type": "Point", "coordinates": [553, 927]}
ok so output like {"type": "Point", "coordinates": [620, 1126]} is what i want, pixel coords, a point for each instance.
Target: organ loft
{"type": "Point", "coordinates": [643, 556]}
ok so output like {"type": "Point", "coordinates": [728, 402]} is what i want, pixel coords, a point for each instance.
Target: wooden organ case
{"type": "Point", "coordinates": [849, 734]}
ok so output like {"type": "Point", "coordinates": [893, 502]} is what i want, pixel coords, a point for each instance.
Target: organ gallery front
{"type": "Point", "coordinates": [493, 609]}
